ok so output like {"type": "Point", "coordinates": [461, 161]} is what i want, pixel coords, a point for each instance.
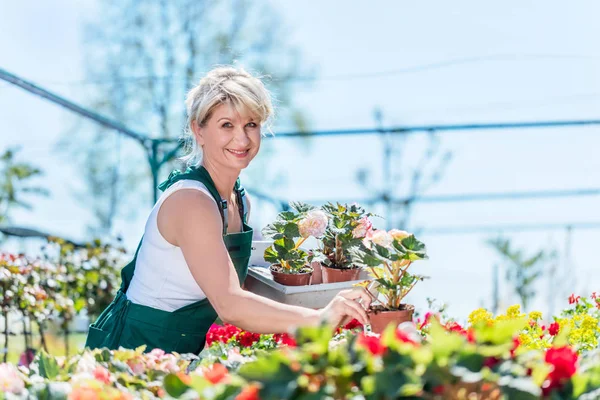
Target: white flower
{"type": "Point", "coordinates": [398, 235]}
{"type": "Point", "coordinates": [86, 364]}
{"type": "Point", "coordinates": [314, 224]}
{"type": "Point", "coordinates": [382, 238]}
{"type": "Point", "coordinates": [10, 379]}
{"type": "Point", "coordinates": [363, 227]}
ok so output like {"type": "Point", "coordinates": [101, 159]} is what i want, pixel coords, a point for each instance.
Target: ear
{"type": "Point", "coordinates": [198, 132]}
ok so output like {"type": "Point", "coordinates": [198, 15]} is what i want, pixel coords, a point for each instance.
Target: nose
{"type": "Point", "coordinates": [241, 137]}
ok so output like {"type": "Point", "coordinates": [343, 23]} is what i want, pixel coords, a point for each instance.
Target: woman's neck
{"type": "Point", "coordinates": [224, 179]}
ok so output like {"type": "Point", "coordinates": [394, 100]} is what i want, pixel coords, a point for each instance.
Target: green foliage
{"type": "Point", "coordinates": [286, 237]}
{"type": "Point", "coordinates": [388, 264]}
{"type": "Point", "coordinates": [341, 236]}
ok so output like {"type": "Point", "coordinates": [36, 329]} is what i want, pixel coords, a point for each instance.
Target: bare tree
{"type": "Point", "coordinates": [142, 58]}
{"type": "Point", "coordinates": [522, 271]}
{"type": "Point", "coordinates": [400, 180]}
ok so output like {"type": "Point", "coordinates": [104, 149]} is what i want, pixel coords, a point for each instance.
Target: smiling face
{"type": "Point", "coordinates": [228, 138]}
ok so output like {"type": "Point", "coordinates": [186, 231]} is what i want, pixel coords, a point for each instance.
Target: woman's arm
{"type": "Point", "coordinates": [190, 219]}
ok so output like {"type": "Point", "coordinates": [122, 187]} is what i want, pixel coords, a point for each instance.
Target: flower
{"type": "Point", "coordinates": [353, 324]}
{"type": "Point", "coordinates": [407, 333]}
{"type": "Point", "coordinates": [371, 343]}
{"type": "Point", "coordinates": [554, 328]}
{"type": "Point", "coordinates": [535, 315]}
{"type": "Point", "coordinates": [313, 224]}
{"type": "Point", "coordinates": [10, 379]}
{"type": "Point", "coordinates": [573, 299]}
{"type": "Point", "coordinates": [246, 339]}
{"type": "Point", "coordinates": [479, 315]}
{"type": "Point", "coordinates": [215, 373]}
{"type": "Point", "coordinates": [86, 364]}
{"type": "Point", "coordinates": [285, 340]}
{"type": "Point", "coordinates": [248, 393]}
{"type": "Point", "coordinates": [398, 235]}
{"type": "Point", "coordinates": [382, 238]}
{"type": "Point", "coordinates": [564, 365]}
{"type": "Point", "coordinates": [363, 227]}
{"type": "Point", "coordinates": [102, 374]}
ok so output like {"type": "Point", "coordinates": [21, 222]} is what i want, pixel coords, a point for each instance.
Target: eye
{"type": "Point", "coordinates": [227, 125]}
{"type": "Point", "coordinates": [252, 125]}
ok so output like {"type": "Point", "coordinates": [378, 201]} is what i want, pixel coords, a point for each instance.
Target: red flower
{"type": "Point", "coordinates": [573, 299]}
{"type": "Point", "coordinates": [491, 362]}
{"type": "Point", "coordinates": [371, 343]}
{"type": "Point", "coordinates": [215, 373]}
{"type": "Point", "coordinates": [353, 324]}
{"type": "Point", "coordinates": [285, 339]}
{"type": "Point", "coordinates": [248, 393]}
{"type": "Point", "coordinates": [403, 337]}
{"type": "Point", "coordinates": [246, 339]}
{"type": "Point", "coordinates": [454, 327]}
{"type": "Point", "coordinates": [426, 319]}
{"type": "Point", "coordinates": [553, 328]}
{"type": "Point", "coordinates": [564, 365]}
{"type": "Point", "coordinates": [516, 344]}
{"type": "Point", "coordinates": [594, 295]}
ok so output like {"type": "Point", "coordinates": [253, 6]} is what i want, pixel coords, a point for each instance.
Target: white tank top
{"type": "Point", "coordinates": [162, 278]}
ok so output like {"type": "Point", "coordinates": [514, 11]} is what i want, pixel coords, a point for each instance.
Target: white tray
{"type": "Point", "coordinates": [260, 281]}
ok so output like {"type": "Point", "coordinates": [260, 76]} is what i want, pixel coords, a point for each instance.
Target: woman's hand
{"type": "Point", "coordinates": [345, 306]}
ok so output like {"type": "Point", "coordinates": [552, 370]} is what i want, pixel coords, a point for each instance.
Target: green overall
{"type": "Point", "coordinates": [129, 325]}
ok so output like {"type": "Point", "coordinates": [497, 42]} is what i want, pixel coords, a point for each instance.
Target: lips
{"type": "Point", "coordinates": [238, 153]}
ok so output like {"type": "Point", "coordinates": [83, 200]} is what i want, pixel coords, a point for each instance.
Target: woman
{"type": "Point", "coordinates": [196, 246]}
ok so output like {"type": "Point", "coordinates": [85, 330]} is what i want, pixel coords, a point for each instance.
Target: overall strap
{"type": "Point", "coordinates": [201, 174]}
{"type": "Point", "coordinates": [242, 201]}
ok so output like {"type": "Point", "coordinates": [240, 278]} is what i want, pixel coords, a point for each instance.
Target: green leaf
{"type": "Point", "coordinates": [291, 231]}
{"type": "Point", "coordinates": [48, 367]}
{"type": "Point", "coordinates": [444, 343]}
{"type": "Point", "coordinates": [271, 255]}
{"type": "Point", "coordinates": [174, 386]}
{"type": "Point", "coordinates": [279, 381]}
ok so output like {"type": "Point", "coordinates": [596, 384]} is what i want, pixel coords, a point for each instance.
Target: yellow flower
{"type": "Point", "coordinates": [524, 339]}
{"type": "Point", "coordinates": [535, 315]}
{"type": "Point", "coordinates": [514, 311]}
{"type": "Point", "coordinates": [481, 314]}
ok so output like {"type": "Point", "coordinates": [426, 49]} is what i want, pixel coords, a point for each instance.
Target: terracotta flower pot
{"type": "Point", "coordinates": [332, 275]}
{"type": "Point", "coordinates": [381, 318]}
{"type": "Point", "coordinates": [317, 276]}
{"type": "Point", "coordinates": [300, 279]}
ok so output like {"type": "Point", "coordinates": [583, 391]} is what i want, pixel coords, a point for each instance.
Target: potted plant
{"type": "Point", "coordinates": [289, 263]}
{"type": "Point", "coordinates": [348, 226]}
{"type": "Point", "coordinates": [387, 256]}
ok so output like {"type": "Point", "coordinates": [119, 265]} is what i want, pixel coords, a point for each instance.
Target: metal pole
{"type": "Point", "coordinates": [154, 168]}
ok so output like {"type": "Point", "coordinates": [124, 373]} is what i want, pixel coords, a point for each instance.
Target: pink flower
{"type": "Point", "coordinates": [137, 366]}
{"type": "Point", "coordinates": [102, 374]}
{"type": "Point", "coordinates": [363, 227]}
{"type": "Point", "coordinates": [398, 235]}
{"type": "Point", "coordinates": [382, 238]}
{"type": "Point", "coordinates": [157, 353]}
{"type": "Point", "coordinates": [314, 224]}
{"type": "Point", "coordinates": [10, 379]}
{"type": "Point", "coordinates": [574, 299]}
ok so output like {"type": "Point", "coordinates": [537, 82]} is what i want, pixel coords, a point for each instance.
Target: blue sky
{"type": "Point", "coordinates": [509, 61]}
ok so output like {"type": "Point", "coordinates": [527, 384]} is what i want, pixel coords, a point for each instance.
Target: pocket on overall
{"type": "Point", "coordinates": [96, 338]}
{"type": "Point", "coordinates": [136, 333]}
{"type": "Point", "coordinates": [190, 343]}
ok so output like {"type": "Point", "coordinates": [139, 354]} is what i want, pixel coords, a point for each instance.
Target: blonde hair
{"type": "Point", "coordinates": [223, 85]}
